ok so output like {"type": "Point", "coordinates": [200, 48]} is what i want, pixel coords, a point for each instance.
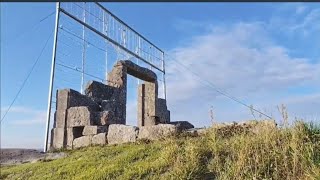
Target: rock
{"type": "Point", "coordinates": [82, 141]}
{"type": "Point", "coordinates": [182, 125]}
{"type": "Point", "coordinates": [57, 138]}
{"type": "Point", "coordinates": [92, 130]}
{"type": "Point", "coordinates": [267, 123]}
{"type": "Point", "coordinates": [196, 131]}
{"type": "Point", "coordinates": [138, 71]}
{"type": "Point", "coordinates": [147, 104]}
{"type": "Point", "coordinates": [73, 133]}
{"type": "Point", "coordinates": [151, 120]}
{"type": "Point", "coordinates": [222, 125]}
{"type": "Point", "coordinates": [117, 78]}
{"type": "Point", "coordinates": [107, 118]}
{"type": "Point", "coordinates": [118, 133]}
{"type": "Point", "coordinates": [202, 131]}
{"type": "Point", "coordinates": [258, 126]}
{"type": "Point", "coordinates": [162, 111]}
{"type": "Point", "coordinates": [67, 98]}
{"type": "Point", "coordinates": [80, 116]}
{"type": "Point", "coordinates": [99, 139]}
{"type": "Point", "coordinates": [98, 90]}
{"type": "Point", "coordinates": [108, 105]}
{"type": "Point", "coordinates": [157, 131]}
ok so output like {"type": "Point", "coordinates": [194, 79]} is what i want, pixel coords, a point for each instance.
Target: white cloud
{"type": "Point", "coordinates": [21, 109]}
{"type": "Point", "coordinates": [310, 22]}
{"type": "Point", "coordinates": [241, 59]}
{"type": "Point", "coordinates": [35, 119]}
{"type": "Point", "coordinates": [21, 115]}
{"type": "Point", "coordinates": [296, 20]}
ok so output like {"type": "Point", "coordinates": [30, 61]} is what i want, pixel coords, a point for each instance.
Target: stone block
{"type": "Point", "coordinates": [182, 125]}
{"type": "Point", "coordinates": [151, 97]}
{"type": "Point", "coordinates": [82, 141]}
{"type": "Point", "coordinates": [54, 119]}
{"type": "Point", "coordinates": [157, 131]}
{"type": "Point", "coordinates": [151, 120]}
{"type": "Point", "coordinates": [93, 130]}
{"type": "Point", "coordinates": [167, 116]}
{"type": "Point", "coordinates": [72, 133]}
{"type": "Point", "coordinates": [81, 116]}
{"type": "Point", "coordinates": [67, 98]}
{"type": "Point", "coordinates": [109, 105]}
{"type": "Point", "coordinates": [99, 139]}
{"type": "Point", "coordinates": [107, 118]}
{"type": "Point", "coordinates": [118, 76]}
{"type": "Point", "coordinates": [57, 138]}
{"type": "Point", "coordinates": [162, 111]}
{"type": "Point", "coordinates": [118, 133]}
{"type": "Point", "coordinates": [78, 99]}
{"type": "Point", "coordinates": [147, 104]}
{"type": "Point", "coordinates": [61, 108]}
{"type": "Point", "coordinates": [98, 90]}
{"type": "Point", "coordinates": [139, 72]}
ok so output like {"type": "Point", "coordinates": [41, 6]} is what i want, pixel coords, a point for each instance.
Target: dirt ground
{"type": "Point", "coordinates": [19, 156]}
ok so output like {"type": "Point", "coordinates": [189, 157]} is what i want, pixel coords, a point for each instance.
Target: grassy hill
{"type": "Point", "coordinates": [270, 153]}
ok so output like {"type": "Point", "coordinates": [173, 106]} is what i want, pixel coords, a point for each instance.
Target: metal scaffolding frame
{"type": "Point", "coordinates": [113, 30]}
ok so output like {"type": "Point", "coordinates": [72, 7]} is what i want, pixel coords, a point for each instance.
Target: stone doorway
{"type": "Point", "coordinates": [151, 109]}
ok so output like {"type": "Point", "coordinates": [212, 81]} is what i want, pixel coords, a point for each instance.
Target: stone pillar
{"type": "Point", "coordinates": [118, 78]}
{"type": "Point", "coordinates": [151, 96]}
{"type": "Point", "coordinates": [147, 104]}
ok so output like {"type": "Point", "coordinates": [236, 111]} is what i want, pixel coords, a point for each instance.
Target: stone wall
{"type": "Point", "coordinates": [99, 116]}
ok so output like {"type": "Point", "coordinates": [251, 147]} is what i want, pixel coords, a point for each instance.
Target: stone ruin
{"type": "Point", "coordinates": [99, 116]}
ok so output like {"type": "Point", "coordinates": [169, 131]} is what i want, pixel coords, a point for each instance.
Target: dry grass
{"type": "Point", "coordinates": [270, 153]}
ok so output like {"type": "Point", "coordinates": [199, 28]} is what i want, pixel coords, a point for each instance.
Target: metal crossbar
{"type": "Point", "coordinates": [122, 32]}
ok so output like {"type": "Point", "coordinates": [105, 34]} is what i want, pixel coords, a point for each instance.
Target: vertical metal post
{"type": "Point", "coordinates": [139, 53]}
{"type": "Point", "coordinates": [45, 148]}
{"type": "Point", "coordinates": [150, 60]}
{"type": "Point", "coordinates": [164, 78]}
{"type": "Point", "coordinates": [105, 30]}
{"type": "Point", "coordinates": [84, 47]}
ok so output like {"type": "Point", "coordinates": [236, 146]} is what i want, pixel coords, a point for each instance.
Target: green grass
{"type": "Point", "coordinates": [286, 153]}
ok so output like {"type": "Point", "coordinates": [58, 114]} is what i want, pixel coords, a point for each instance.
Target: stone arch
{"type": "Point", "coordinates": [151, 109]}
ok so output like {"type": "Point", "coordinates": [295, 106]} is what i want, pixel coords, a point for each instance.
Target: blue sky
{"type": "Point", "coordinates": [265, 54]}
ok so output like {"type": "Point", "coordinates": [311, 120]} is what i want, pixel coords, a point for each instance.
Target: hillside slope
{"type": "Point", "coordinates": [227, 153]}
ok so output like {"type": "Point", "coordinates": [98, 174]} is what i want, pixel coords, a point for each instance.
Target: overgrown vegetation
{"type": "Point", "coordinates": [272, 153]}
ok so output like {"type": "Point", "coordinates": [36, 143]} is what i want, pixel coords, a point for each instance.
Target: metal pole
{"type": "Point", "coordinates": [105, 30]}
{"type": "Point", "coordinates": [150, 60]}
{"type": "Point", "coordinates": [84, 47]}
{"type": "Point", "coordinates": [164, 78]}
{"type": "Point", "coordinates": [139, 53]}
{"type": "Point", "coordinates": [45, 148]}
